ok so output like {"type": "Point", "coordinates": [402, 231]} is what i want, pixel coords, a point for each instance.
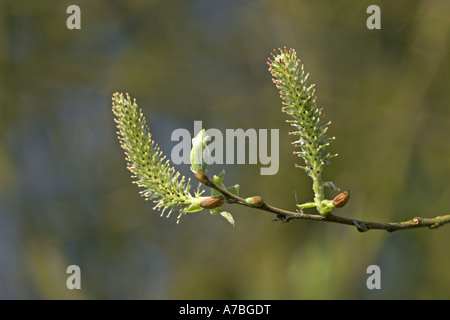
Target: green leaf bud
{"type": "Point", "coordinates": [255, 201]}
{"type": "Point", "coordinates": [200, 153]}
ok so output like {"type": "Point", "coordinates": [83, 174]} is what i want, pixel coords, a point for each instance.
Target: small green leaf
{"type": "Point", "coordinates": [228, 217]}
{"type": "Point", "coordinates": [215, 193]}
{"type": "Point", "coordinates": [327, 206]}
{"type": "Point", "coordinates": [218, 180]}
{"type": "Point", "coordinates": [234, 190]}
{"type": "Point", "coordinates": [222, 175]}
{"type": "Point", "coordinates": [307, 205]}
{"type": "Point", "coordinates": [224, 214]}
{"type": "Point", "coordinates": [331, 185]}
{"type": "Point", "coordinates": [194, 208]}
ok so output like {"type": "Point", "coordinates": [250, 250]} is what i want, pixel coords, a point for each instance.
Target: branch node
{"type": "Point", "coordinates": [361, 227]}
{"type": "Point", "coordinates": [283, 218]}
{"type": "Point", "coordinates": [434, 226]}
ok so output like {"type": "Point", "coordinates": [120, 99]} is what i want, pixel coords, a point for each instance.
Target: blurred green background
{"type": "Point", "coordinates": [66, 196]}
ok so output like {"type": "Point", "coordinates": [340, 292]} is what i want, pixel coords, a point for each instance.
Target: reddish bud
{"type": "Point", "coordinates": [341, 199]}
{"type": "Point", "coordinates": [211, 203]}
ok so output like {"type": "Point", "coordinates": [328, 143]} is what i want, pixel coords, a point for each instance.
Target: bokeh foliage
{"type": "Point", "coordinates": [66, 196]}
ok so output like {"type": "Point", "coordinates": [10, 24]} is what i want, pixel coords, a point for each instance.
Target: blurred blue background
{"type": "Point", "coordinates": [66, 196]}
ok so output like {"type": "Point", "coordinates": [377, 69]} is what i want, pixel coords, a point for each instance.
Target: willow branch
{"type": "Point", "coordinates": [361, 226]}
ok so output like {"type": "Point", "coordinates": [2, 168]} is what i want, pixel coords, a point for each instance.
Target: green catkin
{"type": "Point", "coordinates": [150, 169]}
{"type": "Point", "coordinates": [299, 102]}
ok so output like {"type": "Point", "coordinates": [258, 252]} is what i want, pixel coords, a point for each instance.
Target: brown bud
{"type": "Point", "coordinates": [341, 199]}
{"type": "Point", "coordinates": [211, 203]}
{"type": "Point", "coordinates": [255, 201]}
{"type": "Point", "coordinates": [258, 201]}
{"type": "Point", "coordinates": [200, 176]}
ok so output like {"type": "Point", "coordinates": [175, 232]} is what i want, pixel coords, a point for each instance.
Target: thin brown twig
{"type": "Point", "coordinates": [362, 226]}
